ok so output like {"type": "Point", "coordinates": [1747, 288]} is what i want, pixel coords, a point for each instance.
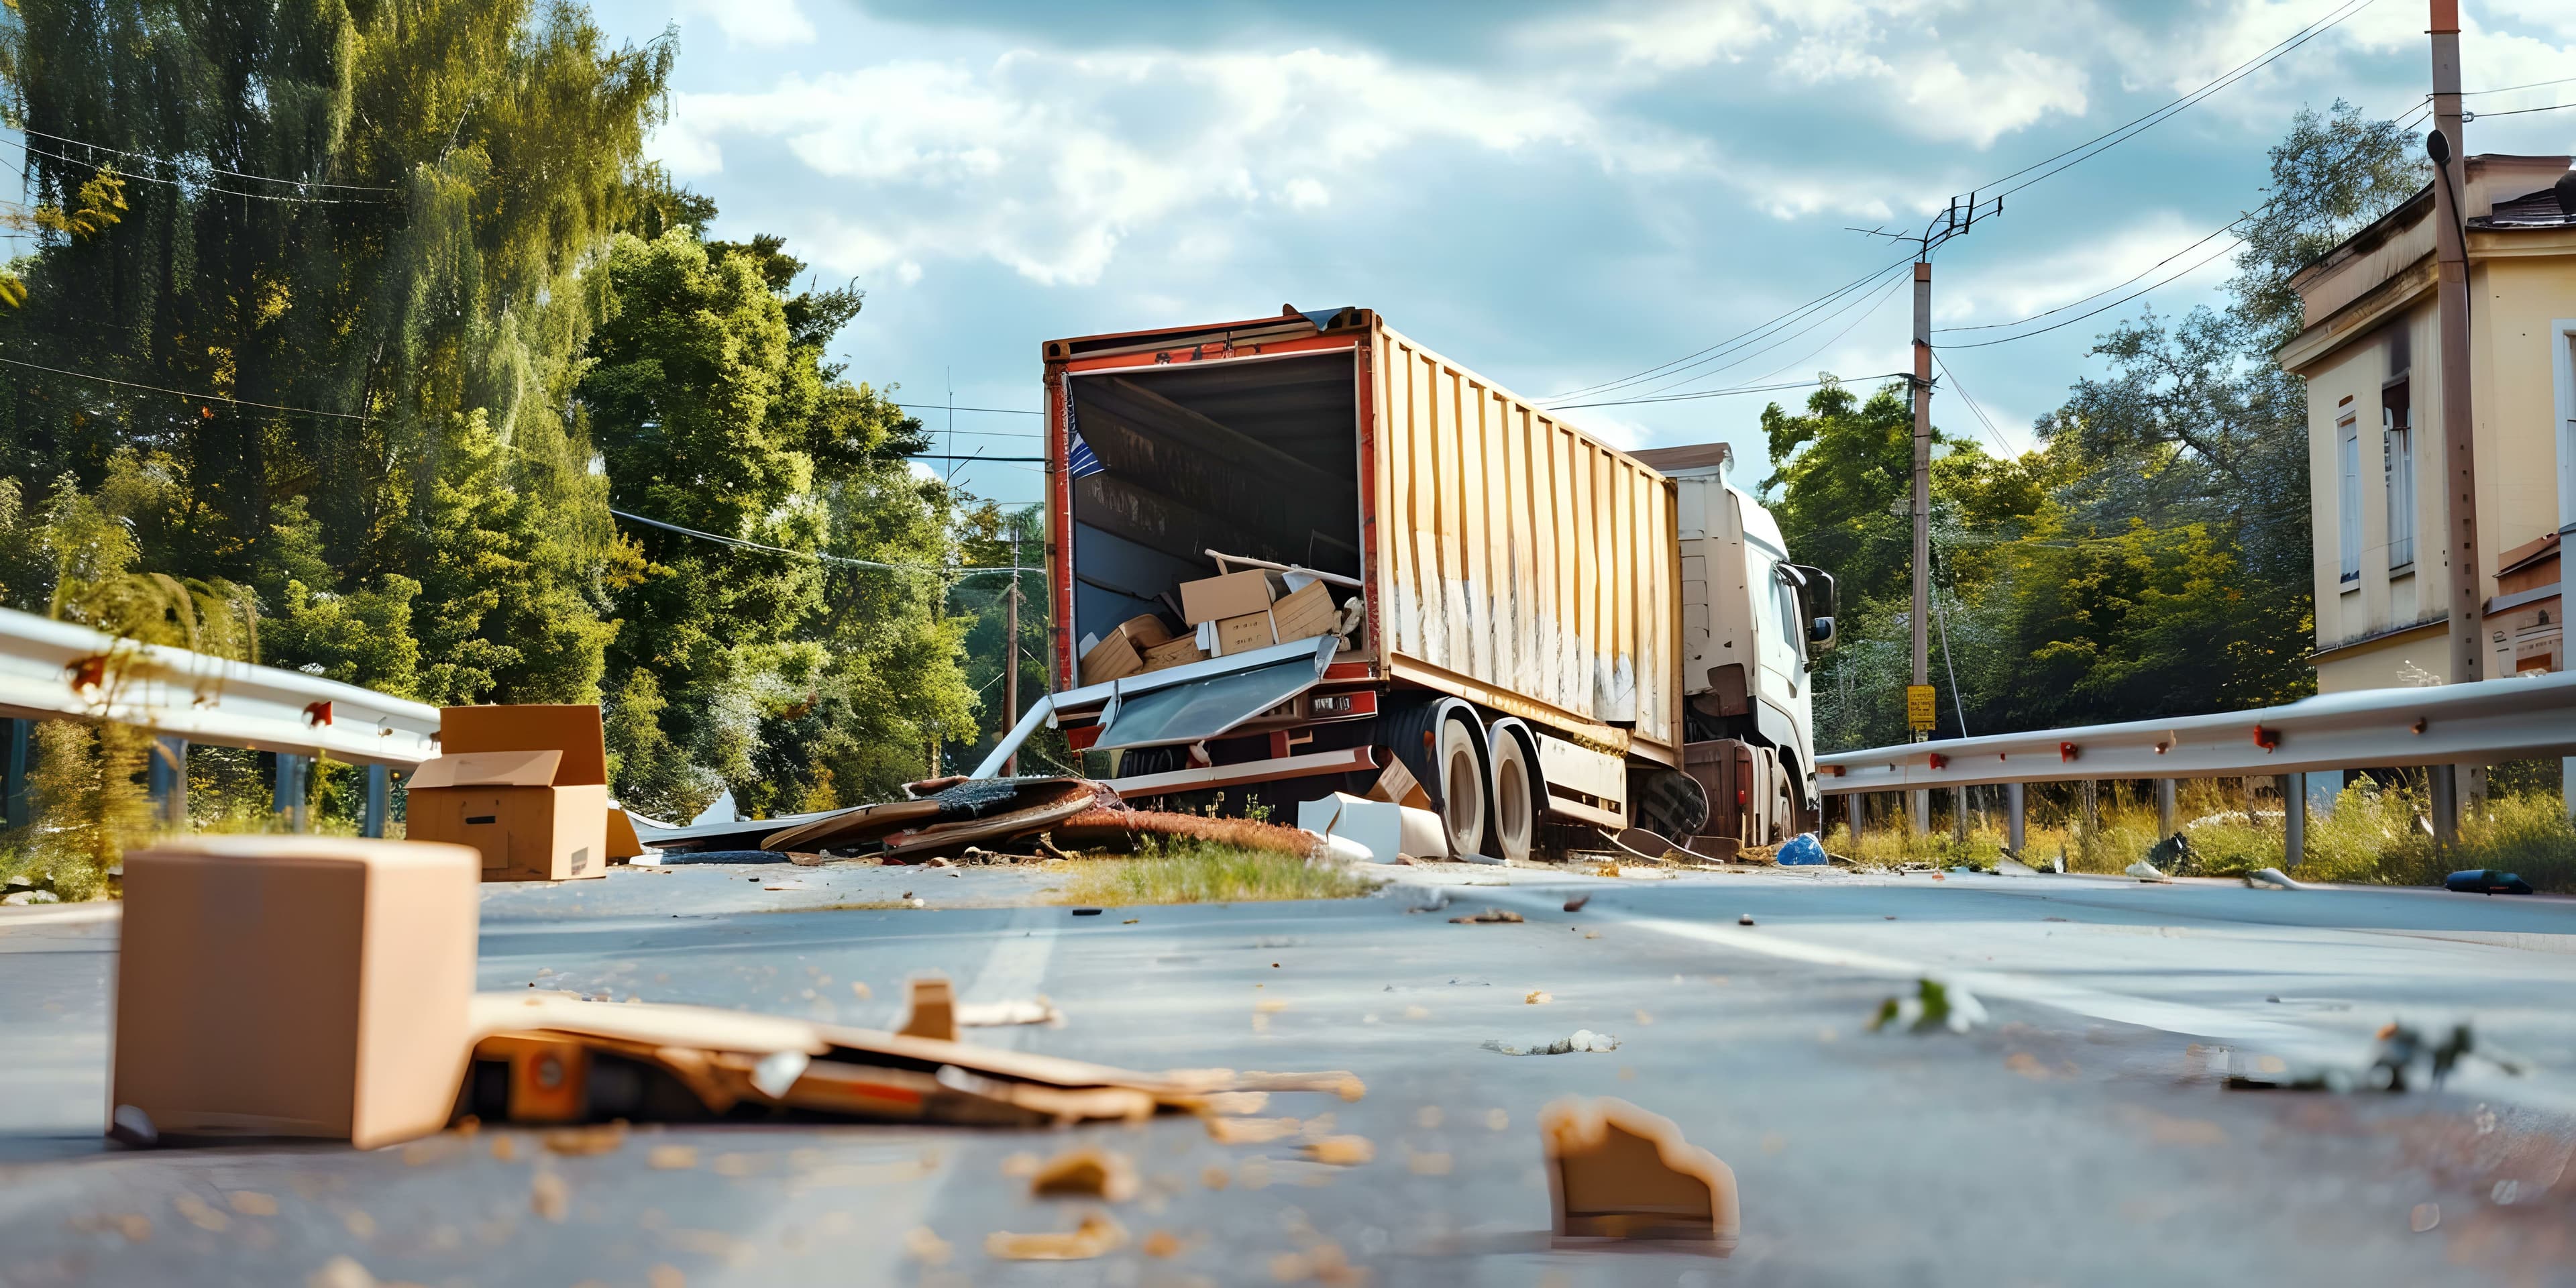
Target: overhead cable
{"type": "Point", "coordinates": [1744, 389]}
{"type": "Point", "coordinates": [216, 169]}
{"type": "Point", "coordinates": [238, 402]}
{"type": "Point", "coordinates": [1980, 412]}
{"type": "Point", "coordinates": [816, 555]}
{"type": "Point", "coordinates": [2220, 231]}
{"type": "Point", "coordinates": [1862, 282]}
{"type": "Point", "coordinates": [2203, 261]}
{"type": "Point", "coordinates": [2117, 135]}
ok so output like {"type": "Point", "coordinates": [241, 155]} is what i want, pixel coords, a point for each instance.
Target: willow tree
{"type": "Point", "coordinates": [356, 229]}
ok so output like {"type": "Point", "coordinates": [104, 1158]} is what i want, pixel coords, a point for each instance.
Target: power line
{"type": "Point", "coordinates": [2522, 111]}
{"type": "Point", "coordinates": [1745, 389]}
{"type": "Point", "coordinates": [32, 150]}
{"type": "Point", "coordinates": [1000, 411]}
{"type": "Point", "coordinates": [1953, 377]}
{"type": "Point", "coordinates": [960, 456]}
{"type": "Point", "coordinates": [216, 169]}
{"type": "Point", "coordinates": [2219, 231]}
{"type": "Point", "coordinates": [816, 555]}
{"type": "Point", "coordinates": [2204, 261]}
{"type": "Point", "coordinates": [238, 402]}
{"type": "Point", "coordinates": [2473, 93]}
{"type": "Point", "coordinates": [1862, 282]}
{"type": "Point", "coordinates": [1894, 279]}
{"type": "Point", "coordinates": [2112, 138]}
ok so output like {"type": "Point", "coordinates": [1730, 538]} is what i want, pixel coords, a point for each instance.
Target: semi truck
{"type": "Point", "coordinates": [1539, 631]}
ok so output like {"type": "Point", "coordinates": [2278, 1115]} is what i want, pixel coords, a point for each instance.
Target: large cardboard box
{"type": "Point", "coordinates": [295, 986]}
{"type": "Point", "coordinates": [1244, 634]}
{"type": "Point", "coordinates": [1304, 613]}
{"type": "Point", "coordinates": [1110, 659]}
{"type": "Point", "coordinates": [525, 785]}
{"type": "Point", "coordinates": [1231, 595]}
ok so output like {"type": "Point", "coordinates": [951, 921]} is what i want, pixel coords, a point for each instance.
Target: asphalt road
{"type": "Point", "coordinates": [2081, 1136]}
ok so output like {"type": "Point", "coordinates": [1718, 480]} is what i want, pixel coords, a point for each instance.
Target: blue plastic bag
{"type": "Point", "coordinates": [1803, 848]}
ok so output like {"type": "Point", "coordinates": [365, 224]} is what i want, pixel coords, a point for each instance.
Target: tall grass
{"type": "Point", "coordinates": [1201, 872]}
{"type": "Point", "coordinates": [2372, 834]}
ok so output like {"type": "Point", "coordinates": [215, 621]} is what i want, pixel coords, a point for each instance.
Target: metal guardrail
{"type": "Point", "coordinates": [57, 670]}
{"type": "Point", "coordinates": [2482, 723]}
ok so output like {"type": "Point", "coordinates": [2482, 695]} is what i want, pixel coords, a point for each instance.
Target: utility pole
{"type": "Point", "coordinates": [2449, 152]}
{"type": "Point", "coordinates": [1919, 799]}
{"type": "Point", "coordinates": [1011, 653]}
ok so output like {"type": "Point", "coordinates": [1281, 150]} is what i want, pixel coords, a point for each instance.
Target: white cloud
{"type": "Point", "coordinates": [762, 23]}
{"type": "Point", "coordinates": [2006, 287]}
{"type": "Point", "coordinates": [1049, 162]}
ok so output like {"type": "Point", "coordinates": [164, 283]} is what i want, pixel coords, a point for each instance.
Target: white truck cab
{"type": "Point", "coordinates": [1752, 624]}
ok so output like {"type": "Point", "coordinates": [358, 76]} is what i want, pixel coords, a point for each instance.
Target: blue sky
{"type": "Point", "coordinates": [1555, 194]}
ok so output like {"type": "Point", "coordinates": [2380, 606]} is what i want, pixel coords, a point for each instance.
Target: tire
{"type": "Point", "coordinates": [1516, 805]}
{"type": "Point", "coordinates": [1462, 787]}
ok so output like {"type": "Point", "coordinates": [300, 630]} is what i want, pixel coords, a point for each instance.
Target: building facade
{"type": "Point", "coordinates": [2371, 355]}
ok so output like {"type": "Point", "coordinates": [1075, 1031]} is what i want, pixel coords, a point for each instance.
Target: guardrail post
{"type": "Point", "coordinates": [166, 777]}
{"type": "Point", "coordinates": [1918, 810]}
{"type": "Point", "coordinates": [2164, 808]}
{"type": "Point", "coordinates": [379, 801]}
{"type": "Point", "coordinates": [1852, 807]}
{"type": "Point", "coordinates": [2294, 820]}
{"type": "Point", "coordinates": [2444, 782]}
{"type": "Point", "coordinates": [13, 793]}
{"type": "Point", "coordinates": [288, 798]}
{"type": "Point", "coordinates": [1959, 814]}
{"type": "Point", "coordinates": [2014, 825]}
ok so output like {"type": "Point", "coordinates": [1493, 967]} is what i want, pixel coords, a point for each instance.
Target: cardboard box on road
{"type": "Point", "coordinates": [295, 986]}
{"type": "Point", "coordinates": [527, 786]}
{"type": "Point", "coordinates": [1232, 595]}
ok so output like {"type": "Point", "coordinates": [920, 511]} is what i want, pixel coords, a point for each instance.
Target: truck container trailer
{"type": "Point", "coordinates": [1505, 591]}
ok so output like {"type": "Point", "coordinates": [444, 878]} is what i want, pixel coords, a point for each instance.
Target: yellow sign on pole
{"type": "Point", "coordinates": [1919, 706]}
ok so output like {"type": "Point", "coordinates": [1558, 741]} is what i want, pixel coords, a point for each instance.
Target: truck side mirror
{"type": "Point", "coordinates": [1820, 632]}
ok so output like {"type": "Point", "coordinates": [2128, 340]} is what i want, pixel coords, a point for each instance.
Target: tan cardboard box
{"type": "Point", "coordinates": [1145, 632]}
{"type": "Point", "coordinates": [1305, 614]}
{"type": "Point", "coordinates": [623, 844]}
{"type": "Point", "coordinates": [1171, 653]}
{"type": "Point", "coordinates": [1109, 659]}
{"type": "Point", "coordinates": [534, 816]}
{"type": "Point", "coordinates": [1232, 595]}
{"type": "Point", "coordinates": [1244, 634]}
{"type": "Point", "coordinates": [295, 986]}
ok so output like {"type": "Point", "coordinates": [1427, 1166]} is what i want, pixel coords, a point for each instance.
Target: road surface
{"type": "Point", "coordinates": [2081, 1136]}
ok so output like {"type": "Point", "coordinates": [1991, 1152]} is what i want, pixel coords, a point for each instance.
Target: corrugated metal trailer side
{"type": "Point", "coordinates": [1519, 562]}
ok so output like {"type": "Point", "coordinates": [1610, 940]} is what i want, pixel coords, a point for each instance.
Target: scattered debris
{"type": "Point", "coordinates": [1934, 1006]}
{"type": "Point", "coordinates": [671, 1158]}
{"type": "Point", "coordinates": [1615, 1171]}
{"type": "Point", "coordinates": [2486, 881]}
{"type": "Point", "coordinates": [1745, 919]}
{"type": "Point", "coordinates": [2424, 1217]}
{"type": "Point", "coordinates": [1576, 903]}
{"type": "Point", "coordinates": [1340, 1151]}
{"type": "Point", "coordinates": [1581, 1040]}
{"type": "Point", "coordinates": [1440, 904]}
{"type": "Point", "coordinates": [2173, 854]}
{"type": "Point", "coordinates": [1490, 916]}
{"type": "Point", "coordinates": [1114, 828]}
{"type": "Point", "coordinates": [1250, 1131]}
{"type": "Point", "coordinates": [931, 1011]}
{"type": "Point", "coordinates": [2402, 1051]}
{"type": "Point", "coordinates": [1089, 1172]}
{"type": "Point", "coordinates": [2008, 866]}
{"type": "Point", "coordinates": [2148, 872]}
{"type": "Point", "coordinates": [1161, 1244]}
{"type": "Point", "coordinates": [991, 1015]}
{"type": "Point", "coordinates": [582, 1142]}
{"type": "Point", "coordinates": [1802, 850]}
{"type": "Point", "coordinates": [131, 1126]}
{"type": "Point", "coordinates": [1538, 997]}
{"type": "Point", "coordinates": [2273, 879]}
{"type": "Point", "coordinates": [1096, 1235]}
{"type": "Point", "coordinates": [925, 1246]}
{"type": "Point", "coordinates": [1086, 912]}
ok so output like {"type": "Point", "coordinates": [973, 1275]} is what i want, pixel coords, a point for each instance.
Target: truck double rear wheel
{"type": "Point", "coordinates": [1462, 787]}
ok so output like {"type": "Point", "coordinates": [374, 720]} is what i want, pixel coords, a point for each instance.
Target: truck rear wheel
{"type": "Point", "coordinates": [1462, 787]}
{"type": "Point", "coordinates": [1515, 800]}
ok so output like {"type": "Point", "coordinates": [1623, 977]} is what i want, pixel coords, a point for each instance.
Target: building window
{"type": "Point", "coordinates": [2348, 513]}
{"type": "Point", "coordinates": [2397, 463]}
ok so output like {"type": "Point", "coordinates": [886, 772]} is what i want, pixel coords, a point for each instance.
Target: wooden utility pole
{"type": "Point", "coordinates": [1919, 800]}
{"type": "Point", "coordinates": [2449, 151]}
{"type": "Point", "coordinates": [1011, 654]}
